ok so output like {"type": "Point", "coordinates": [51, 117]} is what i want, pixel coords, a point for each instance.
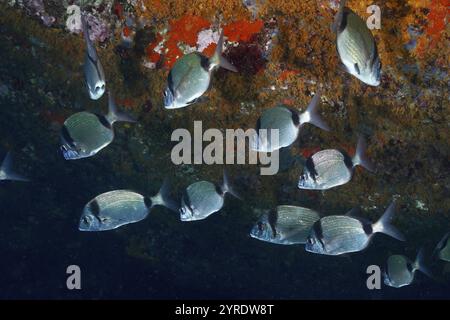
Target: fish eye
{"type": "Point", "coordinates": [310, 240]}
{"type": "Point", "coordinates": [85, 220]}
{"type": "Point", "coordinates": [261, 226]}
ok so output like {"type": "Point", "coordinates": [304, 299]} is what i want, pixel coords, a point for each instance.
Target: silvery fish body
{"type": "Point", "coordinates": [330, 168]}
{"type": "Point", "coordinates": [84, 133]}
{"type": "Point", "coordinates": [400, 270]}
{"type": "Point", "coordinates": [326, 169]}
{"type": "Point", "coordinates": [203, 198]}
{"type": "Point", "coordinates": [190, 77]}
{"type": "Point", "coordinates": [200, 200]}
{"type": "Point", "coordinates": [287, 123]}
{"type": "Point", "coordinates": [356, 46]}
{"type": "Point", "coordinates": [116, 208]}
{"type": "Point", "coordinates": [113, 209]}
{"type": "Point", "coordinates": [286, 225]}
{"type": "Point", "coordinates": [93, 69]}
{"type": "Point", "coordinates": [7, 172]}
{"type": "Point", "coordinates": [188, 80]}
{"type": "Point", "coordinates": [443, 248]}
{"type": "Point", "coordinates": [335, 235]}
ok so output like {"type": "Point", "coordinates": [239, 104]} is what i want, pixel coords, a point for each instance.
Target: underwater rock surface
{"type": "Point", "coordinates": [285, 52]}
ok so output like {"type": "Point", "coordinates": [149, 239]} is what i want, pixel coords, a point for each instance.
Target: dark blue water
{"type": "Point", "coordinates": [161, 257]}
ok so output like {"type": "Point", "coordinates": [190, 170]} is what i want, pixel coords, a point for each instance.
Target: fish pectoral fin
{"type": "Point", "coordinates": [343, 67]}
{"type": "Point", "coordinates": [201, 99]}
{"type": "Point", "coordinates": [357, 68]}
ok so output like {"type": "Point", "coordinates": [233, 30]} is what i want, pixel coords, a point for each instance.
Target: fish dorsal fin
{"type": "Point", "coordinates": [353, 213]}
{"type": "Point", "coordinates": [340, 20]}
{"type": "Point", "coordinates": [218, 59]}
{"type": "Point", "coordinates": [366, 223]}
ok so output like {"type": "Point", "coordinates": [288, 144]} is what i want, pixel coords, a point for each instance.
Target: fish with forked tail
{"type": "Point", "coordinates": [400, 270]}
{"type": "Point", "coordinates": [203, 198]}
{"type": "Point", "coordinates": [287, 122]}
{"type": "Point", "coordinates": [84, 133]}
{"type": "Point", "coordinates": [330, 168]}
{"type": "Point", "coordinates": [114, 209]}
{"type": "Point", "coordinates": [190, 77]}
{"type": "Point", "coordinates": [93, 69]}
{"type": "Point", "coordinates": [336, 235]}
{"type": "Point", "coordinates": [356, 46]}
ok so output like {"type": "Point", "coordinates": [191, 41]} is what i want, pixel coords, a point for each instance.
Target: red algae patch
{"type": "Point", "coordinates": [185, 31]}
{"type": "Point", "coordinates": [242, 30]}
{"type": "Point", "coordinates": [437, 21]}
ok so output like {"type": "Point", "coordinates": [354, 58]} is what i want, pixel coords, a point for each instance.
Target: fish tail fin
{"type": "Point", "coordinates": [219, 59]}
{"type": "Point", "coordinates": [9, 173]}
{"type": "Point", "coordinates": [419, 264]}
{"type": "Point", "coordinates": [163, 198]}
{"type": "Point", "coordinates": [113, 114]}
{"type": "Point", "coordinates": [90, 46]}
{"type": "Point", "coordinates": [441, 244]}
{"type": "Point", "coordinates": [311, 115]}
{"type": "Point", "coordinates": [360, 158]}
{"type": "Point", "coordinates": [384, 225]}
{"type": "Point", "coordinates": [226, 187]}
{"type": "Point", "coordinates": [339, 16]}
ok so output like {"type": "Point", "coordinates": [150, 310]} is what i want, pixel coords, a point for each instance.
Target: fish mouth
{"type": "Point", "coordinates": [98, 90]}
{"type": "Point", "coordinates": [185, 214]}
{"type": "Point", "coordinates": [169, 101]}
{"type": "Point", "coordinates": [68, 153]}
{"type": "Point", "coordinates": [254, 235]}
{"type": "Point", "coordinates": [260, 144]}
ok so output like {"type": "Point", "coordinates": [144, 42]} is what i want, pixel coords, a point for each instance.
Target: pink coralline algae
{"type": "Point", "coordinates": [37, 8]}
{"type": "Point", "coordinates": [99, 29]}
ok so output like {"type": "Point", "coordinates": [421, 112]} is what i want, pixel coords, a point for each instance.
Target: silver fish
{"type": "Point", "coordinates": [93, 70]}
{"type": "Point", "coordinates": [443, 248]}
{"type": "Point", "coordinates": [7, 172]}
{"type": "Point", "coordinates": [400, 270]}
{"type": "Point", "coordinates": [116, 208]}
{"type": "Point", "coordinates": [190, 77]}
{"type": "Point", "coordinates": [84, 133]}
{"type": "Point", "coordinates": [335, 235]}
{"type": "Point", "coordinates": [330, 168]}
{"type": "Point", "coordinates": [288, 123]}
{"type": "Point", "coordinates": [356, 46]}
{"type": "Point", "coordinates": [286, 225]}
{"type": "Point", "coordinates": [203, 198]}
